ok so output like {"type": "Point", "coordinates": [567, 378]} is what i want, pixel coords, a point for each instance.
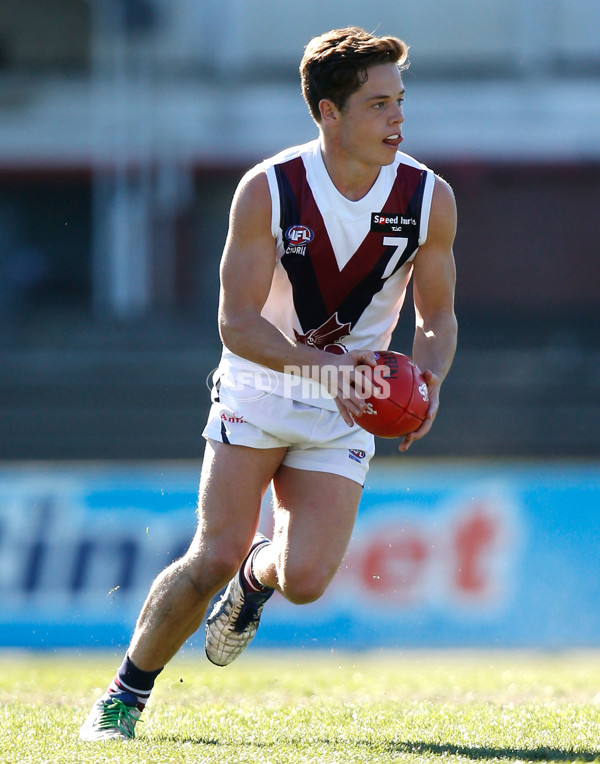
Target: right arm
{"type": "Point", "coordinates": [246, 273]}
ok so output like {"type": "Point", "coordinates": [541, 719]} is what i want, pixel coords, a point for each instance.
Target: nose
{"type": "Point", "coordinates": [398, 116]}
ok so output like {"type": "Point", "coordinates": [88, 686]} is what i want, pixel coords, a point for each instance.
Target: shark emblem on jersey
{"type": "Point", "coordinates": [327, 336]}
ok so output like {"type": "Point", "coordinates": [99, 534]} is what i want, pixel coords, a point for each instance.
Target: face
{"type": "Point", "coordinates": [368, 130]}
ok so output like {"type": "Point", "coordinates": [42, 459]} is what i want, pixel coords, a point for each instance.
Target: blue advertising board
{"type": "Point", "coordinates": [443, 554]}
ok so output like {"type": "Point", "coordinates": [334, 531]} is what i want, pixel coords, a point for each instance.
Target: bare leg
{"type": "Point", "coordinates": [314, 517]}
{"type": "Point", "coordinates": [234, 480]}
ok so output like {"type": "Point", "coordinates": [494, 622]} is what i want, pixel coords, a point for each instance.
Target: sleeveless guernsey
{"type": "Point", "coordinates": [342, 266]}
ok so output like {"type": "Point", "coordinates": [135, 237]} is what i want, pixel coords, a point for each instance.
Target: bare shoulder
{"type": "Point", "coordinates": [442, 219]}
{"type": "Point", "coordinates": [252, 194]}
{"type": "Point", "coordinates": [250, 216]}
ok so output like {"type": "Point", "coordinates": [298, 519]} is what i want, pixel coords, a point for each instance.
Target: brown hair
{"type": "Point", "coordinates": [335, 64]}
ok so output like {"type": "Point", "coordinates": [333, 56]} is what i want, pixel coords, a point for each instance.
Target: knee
{"type": "Point", "coordinates": [212, 567]}
{"type": "Point", "coordinates": [304, 585]}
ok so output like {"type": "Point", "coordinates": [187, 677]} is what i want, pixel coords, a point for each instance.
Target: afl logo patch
{"type": "Point", "coordinates": [356, 455]}
{"type": "Point", "coordinates": [299, 234]}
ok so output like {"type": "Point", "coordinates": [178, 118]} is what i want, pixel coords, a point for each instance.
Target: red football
{"type": "Point", "coordinates": [400, 398]}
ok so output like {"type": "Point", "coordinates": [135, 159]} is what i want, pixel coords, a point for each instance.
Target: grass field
{"type": "Point", "coordinates": [305, 707]}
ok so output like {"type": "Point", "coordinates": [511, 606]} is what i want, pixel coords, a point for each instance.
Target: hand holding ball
{"type": "Point", "coordinates": [399, 402]}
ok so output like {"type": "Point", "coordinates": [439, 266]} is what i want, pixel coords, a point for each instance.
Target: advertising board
{"type": "Point", "coordinates": [443, 555]}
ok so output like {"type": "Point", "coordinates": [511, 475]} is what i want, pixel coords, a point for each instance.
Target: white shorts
{"type": "Point", "coordinates": [316, 439]}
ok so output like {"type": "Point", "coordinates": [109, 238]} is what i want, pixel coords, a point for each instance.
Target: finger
{"type": "Point", "coordinates": [345, 414]}
{"type": "Point", "coordinates": [405, 443]}
{"type": "Point", "coordinates": [365, 356]}
{"type": "Point", "coordinates": [363, 383]}
{"type": "Point", "coordinates": [416, 435]}
{"type": "Point", "coordinates": [356, 407]}
{"type": "Point", "coordinates": [351, 387]}
{"type": "Point", "coordinates": [431, 380]}
{"type": "Point", "coordinates": [409, 439]}
{"type": "Point", "coordinates": [432, 411]}
{"type": "Point", "coordinates": [370, 357]}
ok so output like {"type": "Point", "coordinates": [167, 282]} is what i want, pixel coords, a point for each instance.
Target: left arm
{"type": "Point", "coordinates": [434, 281]}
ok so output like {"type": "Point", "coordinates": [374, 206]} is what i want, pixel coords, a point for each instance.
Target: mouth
{"type": "Point", "coordinates": [395, 139]}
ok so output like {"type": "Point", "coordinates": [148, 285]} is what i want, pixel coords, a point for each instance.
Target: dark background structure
{"type": "Point", "coordinates": [124, 128]}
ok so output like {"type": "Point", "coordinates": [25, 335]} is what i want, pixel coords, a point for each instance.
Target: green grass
{"type": "Point", "coordinates": [291, 708]}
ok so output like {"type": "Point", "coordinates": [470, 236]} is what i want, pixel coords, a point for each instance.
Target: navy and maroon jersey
{"type": "Point", "coordinates": [342, 266]}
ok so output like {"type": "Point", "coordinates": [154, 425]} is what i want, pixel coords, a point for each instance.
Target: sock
{"type": "Point", "coordinates": [248, 573]}
{"type": "Point", "coordinates": [133, 681]}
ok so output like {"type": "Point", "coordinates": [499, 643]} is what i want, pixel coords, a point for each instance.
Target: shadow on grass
{"type": "Point", "coordinates": [179, 740]}
{"type": "Point", "coordinates": [542, 753]}
{"type": "Point", "coordinates": [417, 748]}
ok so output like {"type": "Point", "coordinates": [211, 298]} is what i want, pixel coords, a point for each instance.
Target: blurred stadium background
{"type": "Point", "coordinates": [124, 128]}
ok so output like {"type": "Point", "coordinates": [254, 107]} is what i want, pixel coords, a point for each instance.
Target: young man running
{"type": "Point", "coordinates": [323, 240]}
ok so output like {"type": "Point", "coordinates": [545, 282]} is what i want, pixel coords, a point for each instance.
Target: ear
{"type": "Point", "coordinates": [330, 114]}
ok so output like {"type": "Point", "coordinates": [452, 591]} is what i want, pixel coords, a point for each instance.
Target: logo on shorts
{"type": "Point", "coordinates": [356, 454]}
{"type": "Point", "coordinates": [233, 418]}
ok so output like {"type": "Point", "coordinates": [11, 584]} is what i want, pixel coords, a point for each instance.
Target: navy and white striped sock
{"type": "Point", "coordinates": [132, 681]}
{"type": "Point", "coordinates": [248, 573]}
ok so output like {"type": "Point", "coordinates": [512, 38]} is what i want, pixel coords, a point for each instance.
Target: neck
{"type": "Point", "coordinates": [352, 179]}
